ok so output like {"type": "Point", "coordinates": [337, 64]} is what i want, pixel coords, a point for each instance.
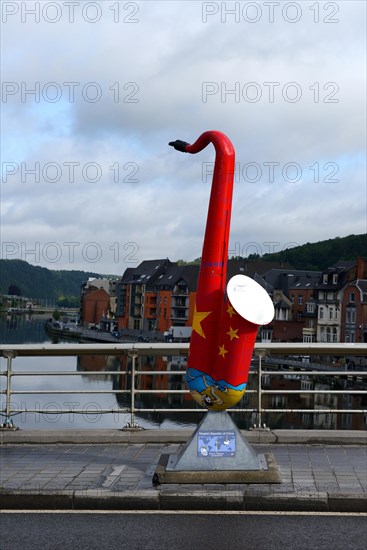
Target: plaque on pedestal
{"type": "Point", "coordinates": [217, 453]}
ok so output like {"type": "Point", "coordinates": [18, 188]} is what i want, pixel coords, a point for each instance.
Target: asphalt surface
{"type": "Point", "coordinates": [180, 531]}
{"type": "Point", "coordinates": [115, 470]}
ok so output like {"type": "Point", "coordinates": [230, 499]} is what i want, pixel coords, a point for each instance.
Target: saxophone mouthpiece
{"type": "Point", "coordinates": [179, 145]}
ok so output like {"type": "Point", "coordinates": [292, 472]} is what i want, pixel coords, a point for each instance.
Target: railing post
{"type": "Point", "coordinates": [8, 424]}
{"type": "Point", "coordinates": [260, 353]}
{"type": "Point", "coordinates": [132, 425]}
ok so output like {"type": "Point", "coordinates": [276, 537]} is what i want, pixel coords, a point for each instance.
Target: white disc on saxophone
{"type": "Point", "coordinates": [250, 300]}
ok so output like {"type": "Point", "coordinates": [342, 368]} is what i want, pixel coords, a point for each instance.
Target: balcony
{"type": "Point", "coordinates": [180, 290]}
{"type": "Point", "coordinates": [180, 314]}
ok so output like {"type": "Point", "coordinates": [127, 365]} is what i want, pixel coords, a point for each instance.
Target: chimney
{"type": "Point", "coordinates": [361, 268]}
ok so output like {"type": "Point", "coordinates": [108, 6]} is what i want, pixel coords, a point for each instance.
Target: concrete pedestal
{"type": "Point", "coordinates": [217, 453]}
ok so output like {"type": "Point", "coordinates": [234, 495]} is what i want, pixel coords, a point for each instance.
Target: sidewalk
{"type": "Point", "coordinates": [320, 470]}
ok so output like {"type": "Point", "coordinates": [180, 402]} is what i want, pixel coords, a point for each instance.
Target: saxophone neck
{"type": "Point", "coordinates": [222, 144]}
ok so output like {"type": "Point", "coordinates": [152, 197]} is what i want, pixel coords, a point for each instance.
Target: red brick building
{"type": "Point", "coordinates": [293, 294]}
{"type": "Point", "coordinates": [94, 305]}
{"type": "Point", "coordinates": [354, 304]}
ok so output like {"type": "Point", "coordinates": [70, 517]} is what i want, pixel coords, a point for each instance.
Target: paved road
{"type": "Point", "coordinates": [182, 531]}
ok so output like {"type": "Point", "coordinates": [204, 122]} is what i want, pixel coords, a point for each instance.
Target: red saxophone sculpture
{"type": "Point", "coordinates": [226, 318]}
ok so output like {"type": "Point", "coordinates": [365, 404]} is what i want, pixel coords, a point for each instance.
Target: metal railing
{"type": "Point", "coordinates": [134, 351]}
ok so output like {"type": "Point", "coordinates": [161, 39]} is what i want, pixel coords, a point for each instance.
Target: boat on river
{"type": "Point", "coordinates": [75, 332]}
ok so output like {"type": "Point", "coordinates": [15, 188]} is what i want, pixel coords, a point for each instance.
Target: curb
{"type": "Point", "coordinates": [171, 499]}
{"type": "Point", "coordinates": [83, 437]}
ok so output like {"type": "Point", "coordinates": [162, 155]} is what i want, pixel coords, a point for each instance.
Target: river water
{"type": "Point", "coordinates": [47, 409]}
{"type": "Point", "coordinates": [87, 373]}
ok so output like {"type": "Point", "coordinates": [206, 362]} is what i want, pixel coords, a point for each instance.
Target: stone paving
{"type": "Point", "coordinates": [117, 468]}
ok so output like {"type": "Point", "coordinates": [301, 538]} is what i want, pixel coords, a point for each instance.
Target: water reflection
{"type": "Point", "coordinates": [27, 328]}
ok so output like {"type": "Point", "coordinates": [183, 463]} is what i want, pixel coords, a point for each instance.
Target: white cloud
{"type": "Point", "coordinates": [149, 200]}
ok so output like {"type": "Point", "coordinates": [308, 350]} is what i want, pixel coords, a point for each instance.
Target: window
{"type": "Point", "coordinates": [350, 315]}
{"type": "Point", "coordinates": [331, 313]}
{"type": "Point", "coordinates": [266, 335]}
{"type": "Point", "coordinates": [351, 297]}
{"type": "Point", "coordinates": [324, 278]}
{"type": "Point", "coordinates": [321, 312]}
{"type": "Point", "coordinates": [300, 299]}
{"type": "Point", "coordinates": [299, 316]}
{"type": "Point", "coordinates": [310, 308]}
{"type": "Point", "coordinates": [335, 278]}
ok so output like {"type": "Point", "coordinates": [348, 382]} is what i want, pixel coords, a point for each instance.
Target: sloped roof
{"type": "Point", "coordinates": [284, 279]}
{"type": "Point", "coordinates": [144, 272]}
{"type": "Point", "coordinates": [165, 274]}
{"type": "Point", "coordinates": [342, 265]}
{"type": "Point", "coordinates": [282, 304]}
{"type": "Point", "coordinates": [251, 267]}
{"type": "Point", "coordinates": [174, 273]}
{"type": "Point", "coordinates": [306, 281]}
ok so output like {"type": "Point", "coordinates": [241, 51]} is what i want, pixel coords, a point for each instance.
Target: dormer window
{"type": "Point", "coordinates": [335, 278]}
{"type": "Point", "coordinates": [324, 278]}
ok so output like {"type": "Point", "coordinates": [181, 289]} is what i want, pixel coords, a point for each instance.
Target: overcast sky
{"type": "Point", "coordinates": [94, 91]}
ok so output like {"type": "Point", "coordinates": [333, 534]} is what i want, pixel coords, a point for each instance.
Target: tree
{"type": "Point", "coordinates": [14, 290]}
{"type": "Point", "coordinates": [56, 315]}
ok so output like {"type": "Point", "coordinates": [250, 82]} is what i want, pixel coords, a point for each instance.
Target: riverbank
{"type": "Point", "coordinates": [75, 332]}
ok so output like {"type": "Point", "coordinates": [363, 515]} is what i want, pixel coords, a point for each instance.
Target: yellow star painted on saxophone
{"type": "Point", "coordinates": [199, 317]}
{"type": "Point", "coordinates": [231, 311]}
{"type": "Point", "coordinates": [232, 333]}
{"type": "Point", "coordinates": [222, 351]}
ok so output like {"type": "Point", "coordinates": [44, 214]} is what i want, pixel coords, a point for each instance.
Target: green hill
{"type": "Point", "coordinates": [39, 282]}
{"type": "Point", "coordinates": [321, 255]}
{"type": "Point", "coordinates": [64, 286]}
